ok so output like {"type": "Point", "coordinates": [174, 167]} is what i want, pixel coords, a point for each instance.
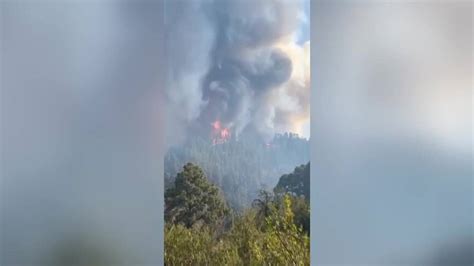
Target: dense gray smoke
{"type": "Point", "coordinates": [237, 62]}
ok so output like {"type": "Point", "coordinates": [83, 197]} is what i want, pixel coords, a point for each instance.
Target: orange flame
{"type": "Point", "coordinates": [219, 133]}
{"type": "Point", "coordinates": [216, 125]}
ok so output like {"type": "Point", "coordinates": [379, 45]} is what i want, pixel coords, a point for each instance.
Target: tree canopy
{"type": "Point", "coordinates": [193, 199]}
{"type": "Point", "coordinates": [296, 183]}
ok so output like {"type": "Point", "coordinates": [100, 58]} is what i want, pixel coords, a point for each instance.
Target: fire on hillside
{"type": "Point", "coordinates": [220, 134]}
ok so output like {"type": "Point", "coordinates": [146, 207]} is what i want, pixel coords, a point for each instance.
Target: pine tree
{"type": "Point", "coordinates": [193, 199]}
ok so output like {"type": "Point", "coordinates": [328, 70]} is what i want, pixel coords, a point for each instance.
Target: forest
{"type": "Point", "coordinates": [240, 167]}
{"type": "Point", "coordinates": [233, 204]}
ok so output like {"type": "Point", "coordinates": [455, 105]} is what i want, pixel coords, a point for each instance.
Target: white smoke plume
{"type": "Point", "coordinates": [237, 62]}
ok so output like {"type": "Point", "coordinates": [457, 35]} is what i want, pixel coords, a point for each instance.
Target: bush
{"type": "Point", "coordinates": [197, 246]}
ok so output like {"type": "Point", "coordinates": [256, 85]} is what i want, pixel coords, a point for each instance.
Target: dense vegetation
{"type": "Point", "coordinates": [201, 230]}
{"type": "Point", "coordinates": [295, 183]}
{"type": "Point", "coordinates": [240, 168]}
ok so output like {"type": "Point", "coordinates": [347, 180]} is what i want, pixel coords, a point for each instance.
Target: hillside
{"type": "Point", "coordinates": [240, 168]}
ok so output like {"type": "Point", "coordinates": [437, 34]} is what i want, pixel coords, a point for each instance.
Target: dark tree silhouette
{"type": "Point", "coordinates": [193, 199]}
{"type": "Point", "coordinates": [296, 183]}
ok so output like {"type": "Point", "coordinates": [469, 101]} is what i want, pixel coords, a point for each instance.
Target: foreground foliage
{"type": "Point", "coordinates": [271, 232]}
{"type": "Point", "coordinates": [197, 246]}
{"type": "Point", "coordinates": [279, 242]}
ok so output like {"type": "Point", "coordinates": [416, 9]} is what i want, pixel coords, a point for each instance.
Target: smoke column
{"type": "Point", "coordinates": [237, 62]}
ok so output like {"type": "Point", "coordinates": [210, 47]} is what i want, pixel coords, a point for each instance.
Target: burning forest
{"type": "Point", "coordinates": [244, 83]}
{"type": "Point", "coordinates": [219, 133]}
{"type": "Point", "coordinates": [238, 83]}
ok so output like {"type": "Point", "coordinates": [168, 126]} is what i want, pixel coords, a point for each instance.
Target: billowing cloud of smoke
{"type": "Point", "coordinates": [238, 62]}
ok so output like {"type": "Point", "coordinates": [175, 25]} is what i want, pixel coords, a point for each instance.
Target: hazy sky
{"type": "Point", "coordinates": [305, 32]}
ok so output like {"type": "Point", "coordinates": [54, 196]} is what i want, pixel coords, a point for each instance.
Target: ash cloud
{"type": "Point", "coordinates": [237, 62]}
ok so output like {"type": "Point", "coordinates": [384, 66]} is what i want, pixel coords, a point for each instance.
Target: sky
{"type": "Point", "coordinates": [304, 36]}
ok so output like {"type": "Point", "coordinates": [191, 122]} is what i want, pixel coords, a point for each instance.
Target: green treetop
{"type": "Point", "coordinates": [193, 199]}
